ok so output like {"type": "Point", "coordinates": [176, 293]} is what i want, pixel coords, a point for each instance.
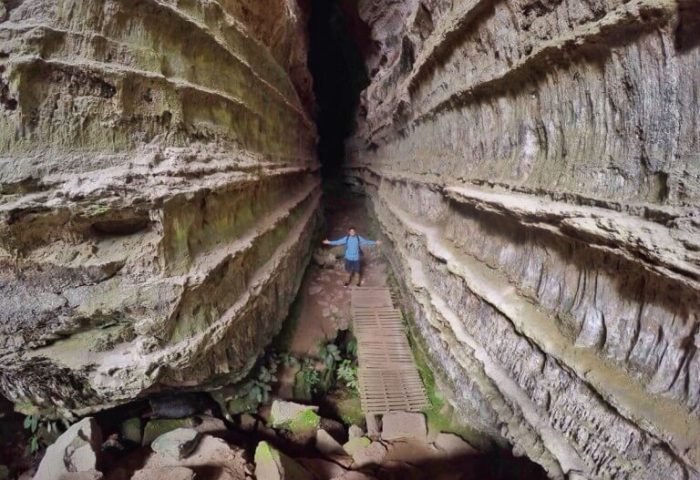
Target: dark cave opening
{"type": "Point", "coordinates": [338, 43]}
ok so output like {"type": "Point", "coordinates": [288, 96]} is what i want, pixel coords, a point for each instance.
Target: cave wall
{"type": "Point", "coordinates": [158, 193]}
{"type": "Point", "coordinates": [535, 166]}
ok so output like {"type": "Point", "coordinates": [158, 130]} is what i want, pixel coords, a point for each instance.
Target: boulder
{"type": "Point", "coordinates": [328, 445]}
{"type": "Point", "coordinates": [130, 430]}
{"type": "Point", "coordinates": [210, 425]}
{"type": "Point", "coordinates": [156, 428]}
{"type": "Point", "coordinates": [398, 425]}
{"type": "Point", "coordinates": [324, 258]}
{"type": "Point", "coordinates": [355, 444]}
{"type": "Point", "coordinates": [247, 423]}
{"type": "Point", "coordinates": [355, 432]}
{"type": "Point", "coordinates": [241, 404]}
{"type": "Point", "coordinates": [368, 456]}
{"type": "Point", "coordinates": [178, 444]}
{"type": "Point", "coordinates": [165, 473]}
{"type": "Point", "coordinates": [336, 429]}
{"type": "Point", "coordinates": [294, 417]}
{"type": "Point", "coordinates": [76, 450]}
{"type": "Point", "coordinates": [220, 460]}
{"type": "Point", "coordinates": [270, 464]}
{"type": "Point", "coordinates": [452, 445]}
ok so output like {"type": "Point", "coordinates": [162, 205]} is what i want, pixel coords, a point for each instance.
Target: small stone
{"type": "Point", "coordinates": [156, 428]}
{"type": "Point", "coordinates": [165, 473]}
{"type": "Point", "coordinates": [177, 444]}
{"type": "Point", "coordinates": [371, 455]}
{"type": "Point", "coordinates": [453, 445]}
{"type": "Point", "coordinates": [398, 425]}
{"type": "Point", "coordinates": [248, 423]}
{"type": "Point", "coordinates": [328, 445]}
{"type": "Point", "coordinates": [355, 432]}
{"type": "Point", "coordinates": [270, 464]}
{"type": "Point", "coordinates": [76, 450]}
{"type": "Point", "coordinates": [130, 430]}
{"type": "Point", "coordinates": [355, 444]}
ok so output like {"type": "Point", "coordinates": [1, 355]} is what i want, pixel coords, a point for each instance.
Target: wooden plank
{"type": "Point", "coordinates": [387, 376]}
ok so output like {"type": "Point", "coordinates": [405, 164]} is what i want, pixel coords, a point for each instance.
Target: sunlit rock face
{"type": "Point", "coordinates": [536, 168]}
{"type": "Point", "coordinates": [158, 193]}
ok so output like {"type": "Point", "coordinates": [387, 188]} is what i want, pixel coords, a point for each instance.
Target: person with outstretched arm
{"type": "Point", "coordinates": [353, 252]}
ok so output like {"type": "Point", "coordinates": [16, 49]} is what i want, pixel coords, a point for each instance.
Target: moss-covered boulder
{"type": "Point", "coordinates": [156, 428]}
{"type": "Point", "coordinates": [294, 417]}
{"type": "Point", "coordinates": [130, 430]}
{"type": "Point", "coordinates": [271, 464]}
{"type": "Point", "coordinates": [354, 445]}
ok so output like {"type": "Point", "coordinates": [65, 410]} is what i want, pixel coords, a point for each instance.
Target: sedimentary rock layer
{"type": "Point", "coordinates": [536, 168]}
{"type": "Point", "coordinates": [158, 193]}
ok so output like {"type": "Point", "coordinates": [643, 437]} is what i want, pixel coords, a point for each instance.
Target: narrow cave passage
{"type": "Point", "coordinates": [532, 168]}
{"type": "Point", "coordinates": [338, 43]}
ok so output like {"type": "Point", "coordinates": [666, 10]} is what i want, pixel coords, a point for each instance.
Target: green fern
{"type": "Point", "coordinates": [41, 431]}
{"type": "Point", "coordinates": [347, 372]}
{"type": "Point", "coordinates": [330, 354]}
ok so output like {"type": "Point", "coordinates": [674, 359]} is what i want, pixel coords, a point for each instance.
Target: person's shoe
{"type": "Point", "coordinates": [346, 284]}
{"type": "Point", "coordinates": [359, 284]}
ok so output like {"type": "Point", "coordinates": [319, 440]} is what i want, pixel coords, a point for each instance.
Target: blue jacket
{"type": "Point", "coordinates": [352, 245]}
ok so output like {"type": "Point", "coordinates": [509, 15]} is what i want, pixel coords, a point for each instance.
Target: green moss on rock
{"type": "Point", "coordinates": [156, 428]}
{"type": "Point", "coordinates": [265, 453]}
{"type": "Point", "coordinates": [305, 421]}
{"type": "Point", "coordinates": [130, 430]}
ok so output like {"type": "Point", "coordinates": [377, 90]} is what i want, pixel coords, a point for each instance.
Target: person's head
{"type": "Point", "coordinates": [352, 232]}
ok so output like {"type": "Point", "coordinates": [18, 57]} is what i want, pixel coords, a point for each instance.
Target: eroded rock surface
{"type": "Point", "coordinates": [536, 169]}
{"type": "Point", "coordinates": [158, 193]}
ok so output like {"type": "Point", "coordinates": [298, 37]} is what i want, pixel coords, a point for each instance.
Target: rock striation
{"type": "Point", "coordinates": [535, 166]}
{"type": "Point", "coordinates": [158, 193]}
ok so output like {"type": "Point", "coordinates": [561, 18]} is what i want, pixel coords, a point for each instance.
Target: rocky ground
{"type": "Point", "coordinates": [293, 443]}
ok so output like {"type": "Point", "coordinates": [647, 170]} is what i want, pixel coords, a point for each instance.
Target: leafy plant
{"type": "Point", "coordinates": [287, 359]}
{"type": "Point", "coordinates": [311, 376]}
{"type": "Point", "coordinates": [347, 373]}
{"type": "Point", "coordinates": [330, 354]}
{"type": "Point", "coordinates": [42, 431]}
{"type": "Point", "coordinates": [261, 385]}
{"type": "Point", "coordinates": [351, 348]}
{"type": "Point", "coordinates": [31, 423]}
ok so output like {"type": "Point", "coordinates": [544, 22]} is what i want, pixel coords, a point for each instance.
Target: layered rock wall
{"type": "Point", "coordinates": [158, 193]}
{"type": "Point", "coordinates": [536, 168]}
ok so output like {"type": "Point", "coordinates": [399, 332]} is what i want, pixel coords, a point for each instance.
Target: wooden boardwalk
{"type": "Point", "coordinates": [388, 377]}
